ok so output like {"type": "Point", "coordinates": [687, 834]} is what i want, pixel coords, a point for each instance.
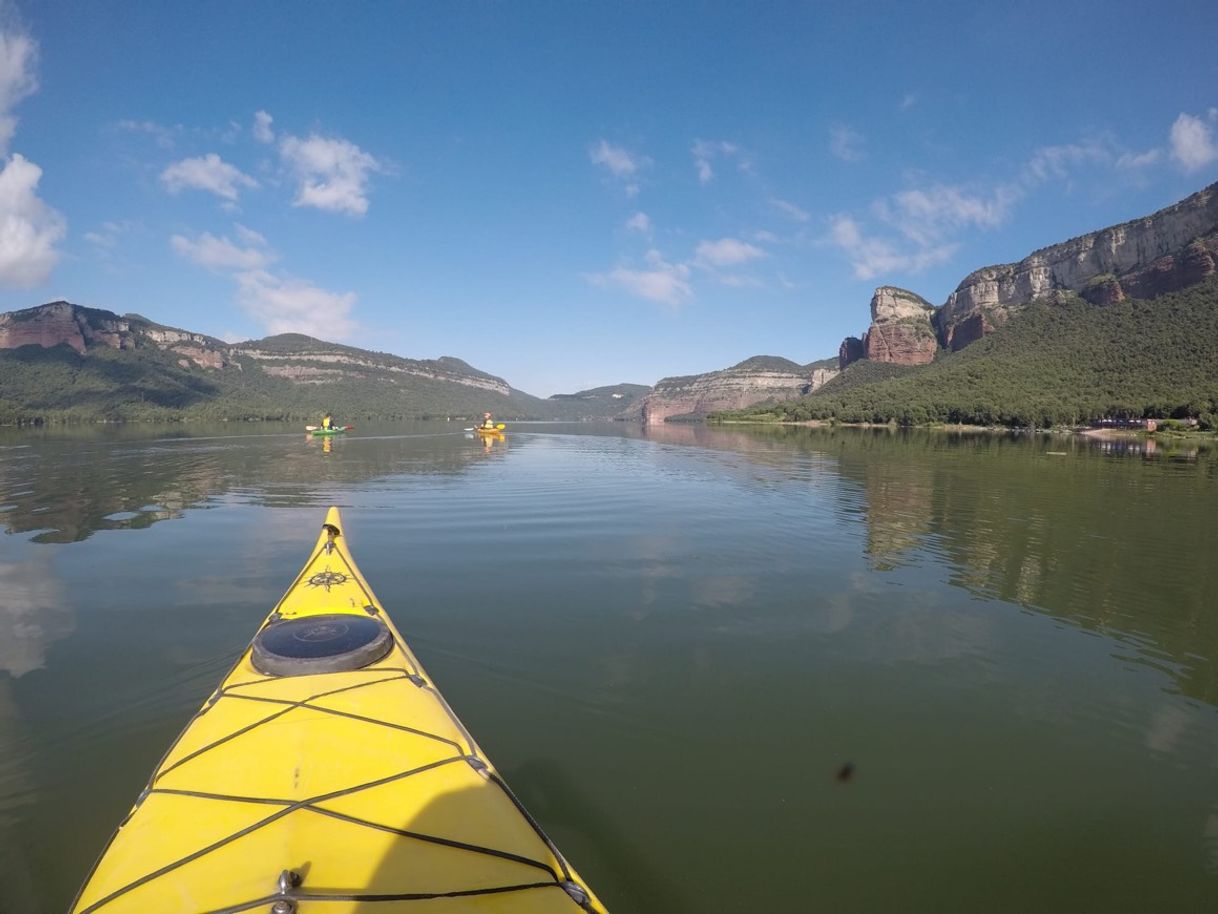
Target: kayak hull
{"type": "Point", "coordinates": [352, 789]}
{"type": "Point", "coordinates": [326, 432]}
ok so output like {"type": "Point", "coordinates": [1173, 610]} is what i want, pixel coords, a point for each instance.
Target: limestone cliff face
{"type": "Point", "coordinates": [901, 329]}
{"type": "Point", "coordinates": [64, 324]}
{"type": "Point", "coordinates": [1170, 250]}
{"type": "Point", "coordinates": [61, 323]}
{"type": "Point", "coordinates": [753, 381]}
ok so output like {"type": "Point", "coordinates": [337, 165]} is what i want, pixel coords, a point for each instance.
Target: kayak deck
{"type": "Point", "coordinates": [353, 790]}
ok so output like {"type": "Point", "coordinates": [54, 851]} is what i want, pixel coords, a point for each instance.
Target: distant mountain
{"type": "Point", "coordinates": [760, 379]}
{"type": "Point", "coordinates": [617, 401]}
{"type": "Point", "coordinates": [1123, 321]}
{"type": "Point", "coordinates": [61, 361]}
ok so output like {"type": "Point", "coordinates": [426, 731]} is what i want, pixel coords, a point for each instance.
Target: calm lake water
{"type": "Point", "coordinates": [671, 642]}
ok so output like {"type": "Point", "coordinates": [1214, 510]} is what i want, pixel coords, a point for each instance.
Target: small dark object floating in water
{"type": "Point", "coordinates": [845, 773]}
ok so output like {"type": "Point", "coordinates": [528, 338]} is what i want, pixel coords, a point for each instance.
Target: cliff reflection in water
{"type": "Point", "coordinates": [1111, 535]}
{"type": "Point", "coordinates": [68, 483]}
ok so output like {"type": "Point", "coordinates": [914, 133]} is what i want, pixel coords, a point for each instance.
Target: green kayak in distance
{"type": "Point", "coordinates": [316, 430]}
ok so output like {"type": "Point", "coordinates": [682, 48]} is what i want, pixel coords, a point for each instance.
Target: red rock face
{"type": "Point", "coordinates": [1196, 263]}
{"type": "Point", "coordinates": [850, 352]}
{"type": "Point", "coordinates": [61, 323]}
{"type": "Point", "coordinates": [1104, 293]}
{"type": "Point", "coordinates": [56, 324]}
{"type": "Point", "coordinates": [900, 343]}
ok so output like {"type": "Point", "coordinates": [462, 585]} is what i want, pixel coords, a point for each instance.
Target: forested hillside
{"type": "Point", "coordinates": [1061, 362]}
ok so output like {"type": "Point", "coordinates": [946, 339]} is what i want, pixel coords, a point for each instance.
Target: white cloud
{"type": "Point", "coordinates": [248, 235]}
{"type": "Point", "coordinates": [639, 222]}
{"type": "Point", "coordinates": [621, 163]}
{"type": "Point", "coordinates": [910, 99]}
{"type": "Point", "coordinates": [221, 254]}
{"type": "Point", "coordinates": [846, 143]}
{"type": "Point", "coordinates": [262, 127]}
{"type": "Point", "coordinates": [871, 257]}
{"type": "Point", "coordinates": [1057, 161]}
{"type": "Point", "coordinates": [726, 252]}
{"type": "Point", "coordinates": [924, 215]}
{"type": "Point", "coordinates": [333, 173]}
{"type": "Point", "coordinates": [280, 302]}
{"type": "Point", "coordinates": [164, 137]}
{"type": "Point", "coordinates": [1139, 159]}
{"type": "Point", "coordinates": [29, 229]}
{"type": "Point", "coordinates": [209, 173]}
{"type": "Point", "coordinates": [704, 153]}
{"type": "Point", "coordinates": [663, 282]}
{"type": "Point", "coordinates": [108, 234]}
{"type": "Point", "coordinates": [740, 282]}
{"type": "Point", "coordinates": [285, 304]}
{"type": "Point", "coordinates": [790, 209]}
{"type": "Point", "coordinates": [1192, 141]}
{"type": "Point", "coordinates": [18, 57]}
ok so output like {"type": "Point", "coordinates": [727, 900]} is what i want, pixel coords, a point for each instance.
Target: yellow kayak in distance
{"type": "Point", "coordinates": [490, 432]}
{"type": "Point", "coordinates": [327, 775]}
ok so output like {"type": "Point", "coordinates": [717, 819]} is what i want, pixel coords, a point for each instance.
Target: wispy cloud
{"type": "Point", "coordinates": [332, 172]}
{"type": "Point", "coordinates": [280, 302]}
{"type": "Point", "coordinates": [1057, 162]}
{"type": "Point", "coordinates": [208, 173]}
{"type": "Point", "coordinates": [29, 228]}
{"type": "Point", "coordinates": [639, 222]}
{"type": "Point", "coordinates": [846, 143]}
{"type": "Point", "coordinates": [164, 137]}
{"type": "Point", "coordinates": [659, 281]}
{"type": "Point", "coordinates": [790, 209]}
{"type": "Point", "coordinates": [221, 254]}
{"type": "Point", "coordinates": [18, 79]}
{"type": "Point", "coordinates": [106, 236]}
{"type": "Point", "coordinates": [261, 130]}
{"type": "Point", "coordinates": [726, 252]}
{"type": "Point", "coordinates": [620, 162]}
{"type": "Point", "coordinates": [908, 101]}
{"type": "Point", "coordinates": [1192, 140]}
{"type": "Point", "coordinates": [925, 215]}
{"type": "Point", "coordinates": [706, 151]}
{"type": "Point", "coordinates": [872, 256]}
{"type": "Point", "coordinates": [1134, 160]}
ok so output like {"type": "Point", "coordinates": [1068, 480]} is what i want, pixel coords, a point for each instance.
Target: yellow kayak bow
{"type": "Point", "coordinates": [327, 775]}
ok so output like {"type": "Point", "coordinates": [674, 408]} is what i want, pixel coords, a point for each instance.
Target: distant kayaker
{"type": "Point", "coordinates": [487, 421]}
{"type": "Point", "coordinates": [327, 421]}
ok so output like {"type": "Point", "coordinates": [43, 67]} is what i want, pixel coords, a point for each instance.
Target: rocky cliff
{"type": "Point", "coordinates": [167, 370]}
{"type": "Point", "coordinates": [753, 381]}
{"type": "Point", "coordinates": [1170, 250]}
{"type": "Point", "coordinates": [64, 324]}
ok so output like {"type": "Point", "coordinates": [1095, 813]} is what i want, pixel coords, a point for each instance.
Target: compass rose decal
{"type": "Point", "coordinates": [327, 579]}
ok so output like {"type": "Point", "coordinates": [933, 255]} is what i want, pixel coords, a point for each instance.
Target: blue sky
{"type": "Point", "coordinates": [571, 194]}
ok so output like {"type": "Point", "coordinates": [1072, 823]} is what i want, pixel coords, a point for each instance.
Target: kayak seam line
{"type": "Point", "coordinates": [528, 817]}
{"type": "Point", "coordinates": [304, 702]}
{"type": "Point", "coordinates": [249, 829]}
{"type": "Point", "coordinates": [367, 823]}
{"type": "Point", "coordinates": [436, 839]}
{"type": "Point", "coordinates": [412, 896]}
